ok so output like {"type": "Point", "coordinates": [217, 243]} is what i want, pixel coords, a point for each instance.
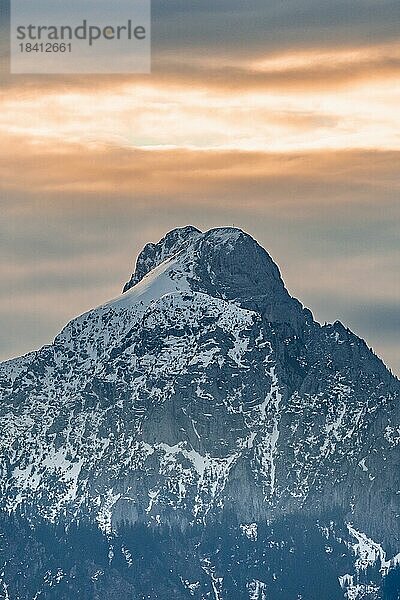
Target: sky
{"type": "Point", "coordinates": [280, 118]}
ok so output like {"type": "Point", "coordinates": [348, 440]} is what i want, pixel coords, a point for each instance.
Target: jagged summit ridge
{"type": "Point", "coordinates": [228, 263]}
{"type": "Point", "coordinates": [185, 238]}
{"type": "Point", "coordinates": [175, 241]}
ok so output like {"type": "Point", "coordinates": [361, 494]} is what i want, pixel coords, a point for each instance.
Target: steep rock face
{"type": "Point", "coordinates": [203, 399]}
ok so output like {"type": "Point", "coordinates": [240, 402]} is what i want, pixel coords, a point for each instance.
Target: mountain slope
{"type": "Point", "coordinates": [201, 425]}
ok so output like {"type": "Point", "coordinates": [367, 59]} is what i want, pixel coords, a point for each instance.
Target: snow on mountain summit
{"type": "Point", "coordinates": [178, 240]}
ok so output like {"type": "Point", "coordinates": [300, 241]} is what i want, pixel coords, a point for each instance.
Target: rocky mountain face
{"type": "Point", "coordinates": [200, 436]}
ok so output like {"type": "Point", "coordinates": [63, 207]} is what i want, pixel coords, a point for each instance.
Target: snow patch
{"type": "Point", "coordinates": [250, 530]}
{"type": "Point", "coordinates": [257, 590]}
{"type": "Point", "coordinates": [104, 516]}
{"type": "Point", "coordinates": [369, 552]}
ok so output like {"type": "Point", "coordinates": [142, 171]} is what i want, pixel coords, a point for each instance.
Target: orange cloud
{"type": "Point", "coordinates": [198, 176]}
{"type": "Point", "coordinates": [182, 132]}
{"type": "Point", "coordinates": [288, 102]}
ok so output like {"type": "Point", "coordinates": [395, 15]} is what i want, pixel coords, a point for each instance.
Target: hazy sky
{"type": "Point", "coordinates": [279, 117]}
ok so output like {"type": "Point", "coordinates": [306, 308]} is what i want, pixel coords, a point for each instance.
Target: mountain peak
{"type": "Point", "coordinates": [175, 240]}
{"type": "Point", "coordinates": [224, 262]}
{"type": "Point", "coordinates": [153, 254]}
{"type": "Point", "coordinates": [203, 405]}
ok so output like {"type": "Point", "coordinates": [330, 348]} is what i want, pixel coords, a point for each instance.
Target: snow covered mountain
{"type": "Point", "coordinates": [200, 436]}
